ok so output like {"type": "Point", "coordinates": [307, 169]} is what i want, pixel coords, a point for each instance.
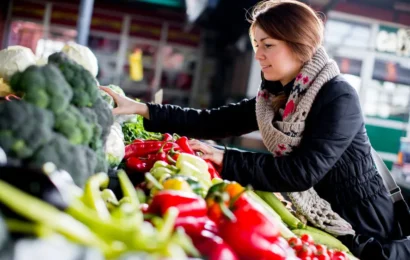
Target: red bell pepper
{"type": "Point", "coordinates": [213, 247]}
{"type": "Point", "coordinates": [188, 203]}
{"type": "Point", "coordinates": [258, 237]}
{"type": "Point", "coordinates": [140, 149]}
{"type": "Point", "coordinates": [193, 226]}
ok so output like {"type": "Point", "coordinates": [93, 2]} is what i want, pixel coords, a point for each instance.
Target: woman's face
{"type": "Point", "coordinates": [277, 61]}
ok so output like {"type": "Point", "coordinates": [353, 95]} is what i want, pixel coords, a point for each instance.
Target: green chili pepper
{"type": "Point", "coordinates": [92, 194]}
{"type": "Point", "coordinates": [159, 171]}
{"type": "Point", "coordinates": [127, 188]}
{"type": "Point", "coordinates": [19, 226]}
{"type": "Point", "coordinates": [110, 199]}
{"type": "Point", "coordinates": [49, 216]}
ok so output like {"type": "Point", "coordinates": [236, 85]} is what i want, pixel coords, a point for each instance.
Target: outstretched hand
{"type": "Point", "coordinates": [125, 105]}
{"type": "Point", "coordinates": [208, 152]}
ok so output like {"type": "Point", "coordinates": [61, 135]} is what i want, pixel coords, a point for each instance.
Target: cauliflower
{"type": "Point", "coordinates": [83, 56]}
{"type": "Point", "coordinates": [108, 98]}
{"type": "Point", "coordinates": [114, 147]}
{"type": "Point", "coordinates": [14, 59]}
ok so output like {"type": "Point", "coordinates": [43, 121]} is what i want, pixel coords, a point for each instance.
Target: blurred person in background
{"type": "Point", "coordinates": [310, 120]}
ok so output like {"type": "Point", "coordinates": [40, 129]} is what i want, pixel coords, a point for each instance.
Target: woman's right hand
{"type": "Point", "coordinates": [125, 105]}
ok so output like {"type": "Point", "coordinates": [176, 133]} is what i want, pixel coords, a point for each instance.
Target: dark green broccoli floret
{"type": "Point", "coordinates": [96, 142]}
{"type": "Point", "coordinates": [78, 160]}
{"type": "Point", "coordinates": [43, 86]}
{"type": "Point", "coordinates": [82, 82]}
{"type": "Point", "coordinates": [23, 128]}
{"type": "Point", "coordinates": [102, 164]}
{"type": "Point", "coordinates": [92, 120]}
{"type": "Point", "coordinates": [73, 125]}
{"type": "Point", "coordinates": [104, 117]}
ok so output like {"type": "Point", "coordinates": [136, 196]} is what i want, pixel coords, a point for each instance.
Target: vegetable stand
{"type": "Point", "coordinates": [81, 181]}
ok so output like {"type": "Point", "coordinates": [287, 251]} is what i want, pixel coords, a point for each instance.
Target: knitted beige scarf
{"type": "Point", "coordinates": [281, 137]}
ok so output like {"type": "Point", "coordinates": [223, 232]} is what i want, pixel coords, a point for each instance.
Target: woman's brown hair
{"type": "Point", "coordinates": [292, 22]}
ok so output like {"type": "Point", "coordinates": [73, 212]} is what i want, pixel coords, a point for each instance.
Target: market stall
{"type": "Point", "coordinates": [77, 182]}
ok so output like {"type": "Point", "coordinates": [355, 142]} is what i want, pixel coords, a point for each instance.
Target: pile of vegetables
{"type": "Point", "coordinates": [103, 182]}
{"type": "Point", "coordinates": [61, 113]}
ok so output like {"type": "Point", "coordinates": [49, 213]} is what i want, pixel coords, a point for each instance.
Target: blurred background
{"type": "Point", "coordinates": [199, 53]}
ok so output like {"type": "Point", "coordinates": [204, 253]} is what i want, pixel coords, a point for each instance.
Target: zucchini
{"type": "Point", "coordinates": [286, 216]}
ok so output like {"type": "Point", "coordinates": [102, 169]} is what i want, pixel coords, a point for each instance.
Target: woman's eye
{"type": "Point", "coordinates": [268, 46]}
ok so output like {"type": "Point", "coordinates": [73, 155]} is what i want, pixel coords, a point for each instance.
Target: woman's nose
{"type": "Point", "coordinates": [259, 55]}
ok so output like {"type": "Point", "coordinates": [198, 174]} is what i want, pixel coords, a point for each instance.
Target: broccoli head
{"type": "Point", "coordinates": [96, 142]}
{"type": "Point", "coordinates": [85, 90]}
{"type": "Point", "coordinates": [102, 164]}
{"type": "Point", "coordinates": [24, 128]}
{"type": "Point", "coordinates": [78, 160]}
{"type": "Point", "coordinates": [43, 86]}
{"type": "Point", "coordinates": [92, 120]}
{"type": "Point", "coordinates": [73, 125]}
{"type": "Point", "coordinates": [104, 117]}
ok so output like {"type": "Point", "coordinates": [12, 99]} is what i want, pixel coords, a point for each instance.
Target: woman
{"type": "Point", "coordinates": [311, 122]}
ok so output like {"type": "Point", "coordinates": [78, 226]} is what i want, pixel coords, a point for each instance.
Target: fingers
{"type": "Point", "coordinates": [109, 91]}
{"type": "Point", "coordinates": [206, 150]}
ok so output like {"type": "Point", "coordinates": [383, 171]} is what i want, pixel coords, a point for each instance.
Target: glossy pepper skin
{"type": "Point", "coordinates": [167, 137]}
{"type": "Point", "coordinates": [213, 247]}
{"type": "Point", "coordinates": [140, 149]}
{"type": "Point", "coordinates": [185, 147]}
{"type": "Point", "coordinates": [188, 203]}
{"type": "Point", "coordinates": [212, 171]}
{"type": "Point", "coordinates": [138, 165]}
{"type": "Point", "coordinates": [193, 226]}
{"type": "Point", "coordinates": [258, 237]}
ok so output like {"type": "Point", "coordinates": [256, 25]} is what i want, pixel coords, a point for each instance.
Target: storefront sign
{"type": "Point", "coordinates": [393, 40]}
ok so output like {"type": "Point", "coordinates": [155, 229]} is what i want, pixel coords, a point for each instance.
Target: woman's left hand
{"type": "Point", "coordinates": [208, 152]}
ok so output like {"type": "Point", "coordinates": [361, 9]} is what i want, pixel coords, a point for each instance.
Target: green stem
{"type": "Point", "coordinates": [150, 178]}
{"type": "Point", "coordinates": [127, 188]}
{"type": "Point", "coordinates": [49, 216]}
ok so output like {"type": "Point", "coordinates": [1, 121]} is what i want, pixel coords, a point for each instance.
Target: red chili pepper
{"type": "Point", "coordinates": [137, 141]}
{"type": "Point", "coordinates": [213, 247]}
{"type": "Point", "coordinates": [188, 203]}
{"type": "Point", "coordinates": [258, 237]}
{"type": "Point", "coordinates": [194, 225]}
{"type": "Point", "coordinates": [167, 137]}
{"type": "Point", "coordinates": [185, 147]}
{"type": "Point", "coordinates": [212, 171]}
{"type": "Point", "coordinates": [161, 155]}
{"type": "Point", "coordinates": [139, 165]}
{"type": "Point", "coordinates": [141, 149]}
